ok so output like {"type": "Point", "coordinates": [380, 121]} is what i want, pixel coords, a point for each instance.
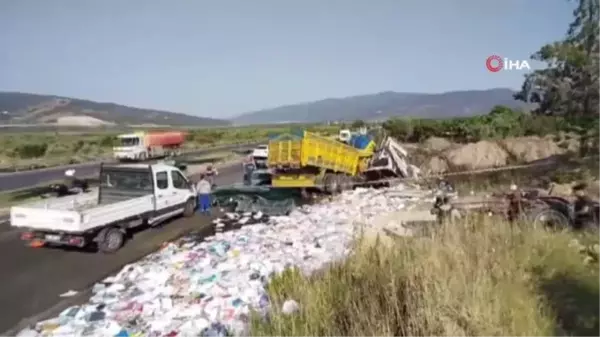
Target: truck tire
{"type": "Point", "coordinates": [110, 240]}
{"type": "Point", "coordinates": [332, 183]}
{"type": "Point", "coordinates": [547, 218]}
{"type": "Point", "coordinates": [345, 182]}
{"type": "Point", "coordinates": [190, 208]}
{"type": "Point", "coordinates": [341, 182]}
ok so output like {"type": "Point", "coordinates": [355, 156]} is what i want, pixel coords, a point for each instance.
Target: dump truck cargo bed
{"type": "Point", "coordinates": [306, 149]}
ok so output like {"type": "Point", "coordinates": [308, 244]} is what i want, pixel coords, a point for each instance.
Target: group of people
{"type": "Point", "coordinates": [206, 183]}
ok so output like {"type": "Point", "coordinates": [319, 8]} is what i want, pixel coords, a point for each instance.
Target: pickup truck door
{"type": "Point", "coordinates": [181, 186]}
{"type": "Point", "coordinates": [166, 197]}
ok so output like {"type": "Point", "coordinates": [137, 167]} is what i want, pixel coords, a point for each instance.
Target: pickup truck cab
{"type": "Point", "coordinates": [128, 196]}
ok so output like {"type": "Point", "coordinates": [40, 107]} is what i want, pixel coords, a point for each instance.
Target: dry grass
{"type": "Point", "coordinates": [474, 278]}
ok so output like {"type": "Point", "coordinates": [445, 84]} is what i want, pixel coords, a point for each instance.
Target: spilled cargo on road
{"type": "Point", "coordinates": [211, 286]}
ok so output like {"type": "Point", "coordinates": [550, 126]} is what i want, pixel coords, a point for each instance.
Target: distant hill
{"type": "Point", "coordinates": [23, 108]}
{"type": "Point", "coordinates": [387, 104]}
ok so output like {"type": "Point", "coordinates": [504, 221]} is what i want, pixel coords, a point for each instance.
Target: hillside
{"type": "Point", "coordinates": [386, 104]}
{"type": "Point", "coordinates": [23, 108]}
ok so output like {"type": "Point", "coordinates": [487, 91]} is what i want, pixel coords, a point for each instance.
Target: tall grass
{"type": "Point", "coordinates": [479, 277]}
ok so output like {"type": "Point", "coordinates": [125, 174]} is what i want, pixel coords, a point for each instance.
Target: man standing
{"type": "Point", "coordinates": [211, 173]}
{"type": "Point", "coordinates": [514, 204]}
{"type": "Point", "coordinates": [203, 187]}
{"type": "Point", "coordinates": [248, 169]}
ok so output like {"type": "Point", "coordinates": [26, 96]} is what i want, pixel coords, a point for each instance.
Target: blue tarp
{"type": "Point", "coordinates": [360, 141]}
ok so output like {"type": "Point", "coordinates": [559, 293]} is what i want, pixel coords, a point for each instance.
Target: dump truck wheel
{"type": "Point", "coordinates": [345, 182]}
{"type": "Point", "coordinates": [340, 183]}
{"type": "Point", "coordinates": [326, 183]}
{"type": "Point", "coordinates": [331, 183]}
{"type": "Point", "coordinates": [111, 240]}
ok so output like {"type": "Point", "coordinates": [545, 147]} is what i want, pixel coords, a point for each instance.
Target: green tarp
{"type": "Point", "coordinates": [243, 198]}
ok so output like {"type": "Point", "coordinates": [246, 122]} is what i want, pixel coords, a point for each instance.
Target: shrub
{"type": "Point", "coordinates": [473, 278]}
{"type": "Point", "coordinates": [27, 151]}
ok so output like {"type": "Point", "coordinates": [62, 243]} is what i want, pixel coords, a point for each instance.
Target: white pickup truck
{"type": "Point", "coordinates": [128, 195]}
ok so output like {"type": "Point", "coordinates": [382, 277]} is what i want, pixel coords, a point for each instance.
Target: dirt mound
{"type": "Point", "coordinates": [435, 165]}
{"type": "Point", "coordinates": [437, 144]}
{"type": "Point", "coordinates": [528, 149]}
{"type": "Point", "coordinates": [480, 155]}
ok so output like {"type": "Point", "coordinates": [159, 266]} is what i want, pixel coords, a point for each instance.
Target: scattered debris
{"type": "Point", "coordinates": [69, 293]}
{"type": "Point", "coordinates": [208, 286]}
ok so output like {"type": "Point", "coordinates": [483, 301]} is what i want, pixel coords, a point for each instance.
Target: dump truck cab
{"type": "Point", "coordinates": [260, 155]}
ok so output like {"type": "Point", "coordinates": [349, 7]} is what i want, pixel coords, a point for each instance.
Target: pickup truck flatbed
{"type": "Point", "coordinates": [128, 196]}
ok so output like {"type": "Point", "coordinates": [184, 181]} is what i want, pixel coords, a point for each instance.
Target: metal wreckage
{"type": "Point", "coordinates": [537, 207]}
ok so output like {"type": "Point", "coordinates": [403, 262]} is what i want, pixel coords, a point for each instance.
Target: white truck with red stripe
{"type": "Point", "coordinates": [141, 146]}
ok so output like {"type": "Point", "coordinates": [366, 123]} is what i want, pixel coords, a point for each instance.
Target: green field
{"type": "Point", "coordinates": [29, 150]}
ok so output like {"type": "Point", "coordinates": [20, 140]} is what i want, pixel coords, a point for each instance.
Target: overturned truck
{"type": "Point", "coordinates": [309, 161]}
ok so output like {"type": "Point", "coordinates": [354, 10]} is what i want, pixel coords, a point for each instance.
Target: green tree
{"type": "Point", "coordinates": [357, 124]}
{"type": "Point", "coordinates": [568, 86]}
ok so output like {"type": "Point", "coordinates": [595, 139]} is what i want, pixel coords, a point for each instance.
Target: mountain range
{"type": "Point", "coordinates": [387, 104]}
{"type": "Point", "coordinates": [25, 109]}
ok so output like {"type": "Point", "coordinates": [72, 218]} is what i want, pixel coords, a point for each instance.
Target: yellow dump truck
{"type": "Point", "coordinates": [306, 160]}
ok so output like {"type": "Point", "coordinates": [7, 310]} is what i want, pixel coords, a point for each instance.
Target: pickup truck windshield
{"type": "Point", "coordinates": [118, 185]}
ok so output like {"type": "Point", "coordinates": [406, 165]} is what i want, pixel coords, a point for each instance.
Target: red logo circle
{"type": "Point", "coordinates": [494, 63]}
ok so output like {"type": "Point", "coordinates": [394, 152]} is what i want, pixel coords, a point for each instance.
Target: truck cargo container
{"type": "Point", "coordinates": [141, 146]}
{"type": "Point", "coordinates": [306, 160]}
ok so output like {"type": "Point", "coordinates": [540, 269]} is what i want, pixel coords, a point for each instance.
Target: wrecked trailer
{"type": "Point", "coordinates": [265, 199]}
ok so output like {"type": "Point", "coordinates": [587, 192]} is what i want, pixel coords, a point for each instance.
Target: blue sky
{"type": "Point", "coordinates": [222, 58]}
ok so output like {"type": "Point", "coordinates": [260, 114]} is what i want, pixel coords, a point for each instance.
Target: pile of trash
{"type": "Point", "coordinates": [237, 220]}
{"type": "Point", "coordinates": [209, 286]}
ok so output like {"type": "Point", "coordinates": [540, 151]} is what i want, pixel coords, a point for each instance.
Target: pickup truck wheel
{"type": "Point", "coordinates": [111, 240]}
{"type": "Point", "coordinates": [190, 207]}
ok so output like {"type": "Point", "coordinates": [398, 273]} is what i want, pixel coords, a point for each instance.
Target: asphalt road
{"type": "Point", "coordinates": [33, 278]}
{"type": "Point", "coordinates": [24, 179]}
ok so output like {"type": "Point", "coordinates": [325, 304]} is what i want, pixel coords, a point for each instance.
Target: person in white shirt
{"type": "Point", "coordinates": [203, 188]}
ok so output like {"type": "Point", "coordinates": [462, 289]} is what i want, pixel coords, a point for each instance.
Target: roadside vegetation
{"type": "Point", "coordinates": [31, 150]}
{"type": "Point", "coordinates": [500, 123]}
{"type": "Point", "coordinates": [475, 278]}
